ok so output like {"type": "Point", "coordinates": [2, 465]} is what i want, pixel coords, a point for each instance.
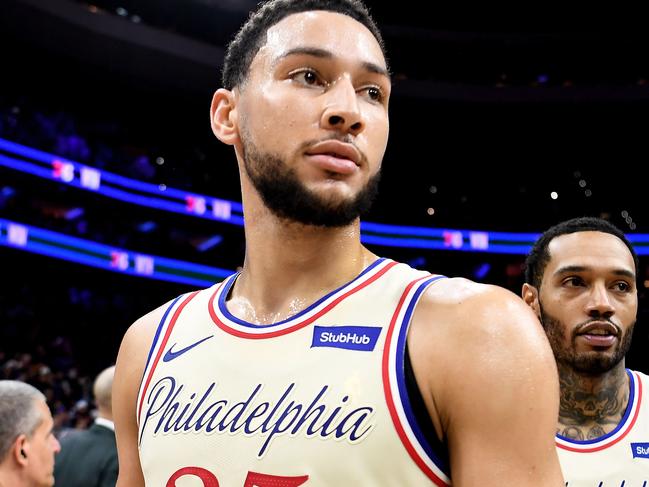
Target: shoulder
{"type": "Point", "coordinates": [73, 437]}
{"type": "Point", "coordinates": [455, 291]}
{"type": "Point", "coordinates": [142, 332]}
{"type": "Point", "coordinates": [477, 321]}
{"type": "Point", "coordinates": [134, 350]}
{"type": "Point", "coordinates": [642, 377]}
{"type": "Point", "coordinates": [129, 371]}
{"type": "Point", "coordinates": [481, 336]}
{"type": "Point", "coordinates": [458, 307]}
{"type": "Point", "coordinates": [80, 442]}
{"type": "Point", "coordinates": [102, 431]}
{"type": "Point", "coordinates": [640, 374]}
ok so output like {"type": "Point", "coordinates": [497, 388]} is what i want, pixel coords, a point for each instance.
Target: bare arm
{"type": "Point", "coordinates": [490, 381]}
{"type": "Point", "coordinates": [131, 361]}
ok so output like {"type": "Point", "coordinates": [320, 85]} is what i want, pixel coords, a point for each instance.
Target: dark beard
{"type": "Point", "coordinates": [285, 196]}
{"type": "Point", "coordinates": [592, 363]}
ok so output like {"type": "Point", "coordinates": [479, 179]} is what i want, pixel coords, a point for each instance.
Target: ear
{"type": "Point", "coordinates": [20, 450]}
{"type": "Point", "coordinates": [224, 116]}
{"type": "Point", "coordinates": [531, 297]}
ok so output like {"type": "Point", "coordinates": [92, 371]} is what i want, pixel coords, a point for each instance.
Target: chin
{"type": "Point", "coordinates": [334, 192]}
{"type": "Point", "coordinates": [596, 362]}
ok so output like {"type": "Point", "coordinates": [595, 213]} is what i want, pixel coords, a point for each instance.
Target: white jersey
{"type": "Point", "coordinates": [317, 400]}
{"type": "Point", "coordinates": [618, 459]}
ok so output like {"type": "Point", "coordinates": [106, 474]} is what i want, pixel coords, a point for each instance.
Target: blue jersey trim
{"type": "Point", "coordinates": [157, 332]}
{"type": "Point", "coordinates": [401, 377]}
{"type": "Point", "coordinates": [227, 286]}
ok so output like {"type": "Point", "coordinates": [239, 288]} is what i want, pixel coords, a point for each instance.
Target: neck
{"type": "Point", "coordinates": [591, 405]}
{"type": "Point", "coordinates": [289, 265]}
{"type": "Point", "coordinates": [8, 477]}
{"type": "Point", "coordinates": [104, 413]}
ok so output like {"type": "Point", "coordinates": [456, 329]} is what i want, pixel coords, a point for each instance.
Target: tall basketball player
{"type": "Point", "coordinates": [321, 364]}
{"type": "Point", "coordinates": [581, 281]}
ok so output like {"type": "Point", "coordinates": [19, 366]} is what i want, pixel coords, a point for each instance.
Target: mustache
{"type": "Point", "coordinates": [577, 329]}
{"type": "Point", "coordinates": [545, 318]}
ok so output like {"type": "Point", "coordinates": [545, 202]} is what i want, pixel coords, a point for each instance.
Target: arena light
{"type": "Point", "coordinates": [53, 244]}
{"type": "Point", "coordinates": [481, 271]}
{"type": "Point", "coordinates": [54, 168]}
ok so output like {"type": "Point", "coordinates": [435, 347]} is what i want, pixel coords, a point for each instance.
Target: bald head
{"type": "Point", "coordinates": [102, 391]}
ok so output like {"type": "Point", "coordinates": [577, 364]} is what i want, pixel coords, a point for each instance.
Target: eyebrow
{"type": "Point", "coordinates": [324, 54]}
{"type": "Point", "coordinates": [580, 268]}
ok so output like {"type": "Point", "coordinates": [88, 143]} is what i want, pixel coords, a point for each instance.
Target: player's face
{"type": "Point", "coordinates": [588, 300]}
{"type": "Point", "coordinates": [40, 450]}
{"type": "Point", "coordinates": [313, 118]}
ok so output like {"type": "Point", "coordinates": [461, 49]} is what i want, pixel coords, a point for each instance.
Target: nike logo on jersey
{"type": "Point", "coordinates": [170, 355]}
{"type": "Point", "coordinates": [640, 450]}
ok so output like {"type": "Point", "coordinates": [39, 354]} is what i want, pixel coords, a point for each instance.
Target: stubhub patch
{"type": "Point", "coordinates": [360, 338]}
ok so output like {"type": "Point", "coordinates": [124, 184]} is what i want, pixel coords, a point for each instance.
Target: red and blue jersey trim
{"type": "Point", "coordinates": [229, 323]}
{"type": "Point", "coordinates": [158, 345]}
{"type": "Point", "coordinates": [622, 429]}
{"type": "Point", "coordinates": [394, 386]}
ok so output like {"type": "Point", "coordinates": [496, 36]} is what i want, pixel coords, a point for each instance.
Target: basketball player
{"type": "Point", "coordinates": [581, 282]}
{"type": "Point", "coordinates": [320, 364]}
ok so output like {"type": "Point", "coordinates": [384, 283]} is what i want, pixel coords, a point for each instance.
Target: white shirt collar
{"type": "Point", "coordinates": [106, 423]}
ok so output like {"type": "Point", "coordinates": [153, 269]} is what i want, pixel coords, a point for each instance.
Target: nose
{"type": "Point", "coordinates": [342, 111]}
{"type": "Point", "coordinates": [599, 302]}
{"type": "Point", "coordinates": [56, 446]}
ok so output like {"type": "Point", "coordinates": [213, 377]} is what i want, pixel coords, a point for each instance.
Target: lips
{"type": "Point", "coordinates": [598, 328]}
{"type": "Point", "coordinates": [599, 333]}
{"type": "Point", "coordinates": [336, 149]}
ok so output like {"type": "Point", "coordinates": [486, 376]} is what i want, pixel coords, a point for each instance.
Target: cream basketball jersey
{"type": "Point", "coordinates": [318, 400]}
{"type": "Point", "coordinates": [618, 459]}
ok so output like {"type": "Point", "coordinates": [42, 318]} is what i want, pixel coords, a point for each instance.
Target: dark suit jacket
{"type": "Point", "coordinates": [87, 459]}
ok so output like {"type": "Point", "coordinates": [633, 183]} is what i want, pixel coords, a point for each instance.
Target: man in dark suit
{"type": "Point", "coordinates": [89, 458]}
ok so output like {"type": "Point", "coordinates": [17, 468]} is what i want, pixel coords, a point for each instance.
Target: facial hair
{"type": "Point", "coordinates": [591, 362]}
{"type": "Point", "coordinates": [288, 198]}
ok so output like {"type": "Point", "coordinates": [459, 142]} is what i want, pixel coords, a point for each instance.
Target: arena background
{"type": "Point", "coordinates": [488, 118]}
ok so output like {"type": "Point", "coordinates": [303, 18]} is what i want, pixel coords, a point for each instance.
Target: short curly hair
{"type": "Point", "coordinates": [539, 256]}
{"type": "Point", "coordinates": [250, 38]}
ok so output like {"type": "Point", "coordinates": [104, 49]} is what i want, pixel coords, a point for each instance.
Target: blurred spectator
{"type": "Point", "coordinates": [96, 446]}
{"type": "Point", "coordinates": [64, 391]}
